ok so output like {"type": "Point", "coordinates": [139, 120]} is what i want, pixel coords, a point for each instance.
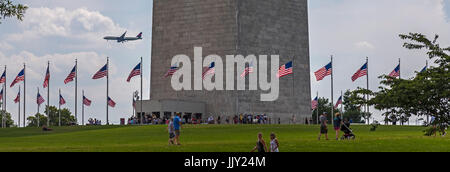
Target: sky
{"type": "Point", "coordinates": [60, 31]}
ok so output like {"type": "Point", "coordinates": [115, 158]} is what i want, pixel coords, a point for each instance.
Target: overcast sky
{"type": "Point", "coordinates": [61, 31]}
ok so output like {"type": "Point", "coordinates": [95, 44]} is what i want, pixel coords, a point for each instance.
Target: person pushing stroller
{"type": "Point", "coordinates": [348, 133]}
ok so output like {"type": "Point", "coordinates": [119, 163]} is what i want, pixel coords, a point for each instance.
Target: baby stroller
{"type": "Point", "coordinates": [348, 133]}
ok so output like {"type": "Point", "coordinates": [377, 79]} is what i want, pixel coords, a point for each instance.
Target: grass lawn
{"type": "Point", "coordinates": [216, 138]}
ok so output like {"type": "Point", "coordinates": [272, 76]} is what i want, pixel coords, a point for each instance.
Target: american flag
{"type": "Point", "coordinates": [135, 72]}
{"type": "Point", "coordinates": [171, 71]}
{"type": "Point", "coordinates": [39, 99]}
{"type": "Point", "coordinates": [323, 72]}
{"type": "Point", "coordinates": [20, 77]}
{"type": "Point", "coordinates": [360, 73]}
{"type": "Point", "coordinates": [17, 99]}
{"type": "Point", "coordinates": [247, 70]}
{"type": "Point", "coordinates": [101, 73]}
{"type": "Point", "coordinates": [86, 101]}
{"type": "Point", "coordinates": [111, 102]}
{"type": "Point", "coordinates": [1, 94]}
{"type": "Point", "coordinates": [209, 70]}
{"type": "Point", "coordinates": [286, 69]}
{"type": "Point", "coordinates": [314, 103]}
{"type": "Point", "coordinates": [338, 102]}
{"type": "Point", "coordinates": [396, 72]}
{"type": "Point", "coordinates": [3, 77]}
{"type": "Point", "coordinates": [47, 77]}
{"type": "Point", "coordinates": [71, 75]}
{"type": "Point", "coordinates": [61, 100]}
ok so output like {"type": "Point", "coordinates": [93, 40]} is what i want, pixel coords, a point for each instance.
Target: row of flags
{"type": "Point", "coordinates": [103, 72]}
{"type": "Point", "coordinates": [284, 70]}
{"type": "Point", "coordinates": [327, 70]}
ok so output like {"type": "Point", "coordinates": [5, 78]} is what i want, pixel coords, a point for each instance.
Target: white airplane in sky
{"type": "Point", "coordinates": [122, 38]}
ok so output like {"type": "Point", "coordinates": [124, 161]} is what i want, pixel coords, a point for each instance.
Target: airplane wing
{"type": "Point", "coordinates": [124, 34]}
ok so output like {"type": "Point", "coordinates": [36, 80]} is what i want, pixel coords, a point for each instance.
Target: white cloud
{"type": "Point", "coordinates": [5, 46]}
{"type": "Point", "coordinates": [364, 45]}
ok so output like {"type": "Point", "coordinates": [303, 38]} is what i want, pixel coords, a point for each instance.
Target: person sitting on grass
{"type": "Point", "coordinates": [274, 143]}
{"type": "Point", "coordinates": [260, 144]}
{"type": "Point", "coordinates": [45, 128]}
{"type": "Point", "coordinates": [171, 130]}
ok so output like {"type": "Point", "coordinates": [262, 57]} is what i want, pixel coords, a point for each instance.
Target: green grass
{"type": "Point", "coordinates": [215, 138]}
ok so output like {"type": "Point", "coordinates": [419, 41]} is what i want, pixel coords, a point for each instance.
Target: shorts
{"type": "Point", "coordinates": [171, 135]}
{"type": "Point", "coordinates": [177, 132]}
{"type": "Point", "coordinates": [323, 130]}
{"type": "Point", "coordinates": [337, 128]}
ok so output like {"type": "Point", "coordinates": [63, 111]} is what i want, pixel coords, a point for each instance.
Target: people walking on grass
{"type": "Point", "coordinates": [171, 130]}
{"type": "Point", "coordinates": [177, 127]}
{"type": "Point", "coordinates": [323, 126]}
{"type": "Point", "coordinates": [274, 145]}
{"type": "Point", "coordinates": [337, 122]}
{"type": "Point", "coordinates": [260, 144]}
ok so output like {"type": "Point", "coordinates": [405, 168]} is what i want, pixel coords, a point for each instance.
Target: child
{"type": "Point", "coordinates": [274, 143]}
{"type": "Point", "coordinates": [260, 144]}
{"type": "Point", "coordinates": [171, 130]}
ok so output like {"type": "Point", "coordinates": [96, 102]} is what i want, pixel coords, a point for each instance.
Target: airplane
{"type": "Point", "coordinates": [122, 38]}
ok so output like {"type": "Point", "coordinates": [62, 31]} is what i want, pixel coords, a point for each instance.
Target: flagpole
{"type": "Point", "coordinates": [24, 94]}
{"type": "Point", "coordinates": [107, 90]}
{"type": "Point", "coordinates": [399, 69]}
{"type": "Point", "coordinates": [367, 82]}
{"type": "Point", "coordinates": [82, 110]}
{"type": "Point", "coordinates": [332, 99]}
{"type": "Point", "coordinates": [4, 94]}
{"type": "Point", "coordinates": [18, 114]}
{"type": "Point", "coordinates": [317, 109]}
{"type": "Point", "coordinates": [48, 96]}
{"type": "Point", "coordinates": [38, 110]}
{"type": "Point", "coordinates": [142, 71]}
{"type": "Point", "coordinates": [76, 90]}
{"type": "Point", "coordinates": [342, 105]}
{"type": "Point", "coordinates": [59, 109]}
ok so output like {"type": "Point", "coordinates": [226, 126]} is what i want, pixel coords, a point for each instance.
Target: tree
{"type": "Point", "coordinates": [8, 121]}
{"type": "Point", "coordinates": [66, 116]}
{"type": "Point", "coordinates": [32, 120]}
{"type": "Point", "coordinates": [8, 9]}
{"type": "Point", "coordinates": [426, 94]}
{"type": "Point", "coordinates": [358, 98]}
{"type": "Point", "coordinates": [352, 111]}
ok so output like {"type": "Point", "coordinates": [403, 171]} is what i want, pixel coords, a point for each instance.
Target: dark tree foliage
{"type": "Point", "coordinates": [66, 118]}
{"type": "Point", "coordinates": [8, 9]}
{"type": "Point", "coordinates": [324, 106]}
{"type": "Point", "coordinates": [427, 94]}
{"type": "Point", "coordinates": [8, 121]}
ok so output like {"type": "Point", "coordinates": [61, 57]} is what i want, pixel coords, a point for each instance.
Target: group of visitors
{"type": "Point", "coordinates": [261, 144]}
{"type": "Point", "coordinates": [94, 121]}
{"type": "Point", "coordinates": [338, 124]}
{"type": "Point", "coordinates": [250, 119]}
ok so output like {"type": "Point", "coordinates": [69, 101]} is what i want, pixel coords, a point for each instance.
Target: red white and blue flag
{"type": "Point", "coordinates": [135, 72]}
{"type": "Point", "coordinates": [338, 102]}
{"type": "Point", "coordinates": [61, 100]}
{"type": "Point", "coordinates": [323, 72]}
{"type": "Point", "coordinates": [86, 101]}
{"type": "Point", "coordinates": [71, 75]}
{"type": "Point", "coordinates": [17, 99]}
{"type": "Point", "coordinates": [171, 71]}
{"type": "Point", "coordinates": [20, 77]}
{"type": "Point", "coordinates": [111, 102]}
{"type": "Point", "coordinates": [210, 70]}
{"type": "Point", "coordinates": [314, 103]}
{"type": "Point", "coordinates": [247, 70]}
{"type": "Point", "coordinates": [47, 77]}
{"type": "Point", "coordinates": [423, 70]}
{"type": "Point", "coordinates": [396, 72]}
{"type": "Point", "coordinates": [286, 69]}
{"type": "Point", "coordinates": [39, 99]}
{"type": "Point", "coordinates": [101, 73]}
{"type": "Point", "coordinates": [360, 73]}
{"type": "Point", "coordinates": [3, 77]}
